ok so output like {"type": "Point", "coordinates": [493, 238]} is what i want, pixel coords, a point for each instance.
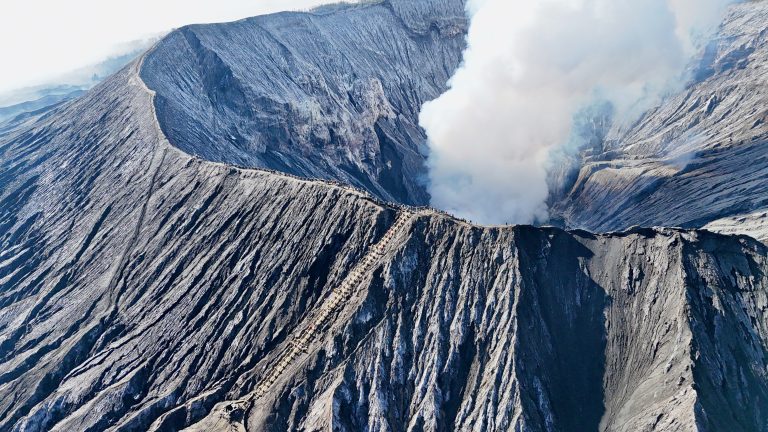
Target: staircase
{"type": "Point", "coordinates": [302, 340]}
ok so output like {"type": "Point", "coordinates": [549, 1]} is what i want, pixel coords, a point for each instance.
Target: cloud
{"type": "Point", "coordinates": [529, 69]}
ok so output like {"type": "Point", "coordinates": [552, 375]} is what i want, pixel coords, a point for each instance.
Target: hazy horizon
{"type": "Point", "coordinates": [58, 47]}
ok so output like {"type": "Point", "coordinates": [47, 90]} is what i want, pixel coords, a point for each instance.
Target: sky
{"type": "Point", "coordinates": [41, 40]}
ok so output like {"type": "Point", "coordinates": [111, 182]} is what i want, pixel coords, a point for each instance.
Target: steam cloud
{"type": "Point", "coordinates": [529, 68]}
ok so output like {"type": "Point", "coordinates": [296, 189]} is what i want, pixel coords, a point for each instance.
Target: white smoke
{"type": "Point", "coordinates": [530, 67]}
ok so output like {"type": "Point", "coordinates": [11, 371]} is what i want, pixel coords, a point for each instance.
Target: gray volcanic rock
{"type": "Point", "coordinates": [123, 260]}
{"type": "Point", "coordinates": [698, 158]}
{"type": "Point", "coordinates": [144, 288]}
{"type": "Point", "coordinates": [332, 94]}
{"type": "Point", "coordinates": [536, 330]}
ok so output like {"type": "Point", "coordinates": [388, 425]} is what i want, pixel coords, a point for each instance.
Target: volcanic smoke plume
{"type": "Point", "coordinates": [529, 67]}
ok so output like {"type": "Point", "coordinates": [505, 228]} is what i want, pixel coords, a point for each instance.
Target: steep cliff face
{"type": "Point", "coordinates": [335, 94]}
{"type": "Point", "coordinates": [144, 288]}
{"type": "Point", "coordinates": [699, 158]}
{"type": "Point", "coordinates": [332, 94]}
{"type": "Point", "coordinates": [93, 197]}
{"type": "Point", "coordinates": [534, 329]}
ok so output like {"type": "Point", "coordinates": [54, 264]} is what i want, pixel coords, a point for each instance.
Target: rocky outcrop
{"type": "Point", "coordinates": [332, 94]}
{"type": "Point", "coordinates": [144, 288]}
{"type": "Point", "coordinates": [696, 159]}
{"type": "Point", "coordinates": [535, 329]}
